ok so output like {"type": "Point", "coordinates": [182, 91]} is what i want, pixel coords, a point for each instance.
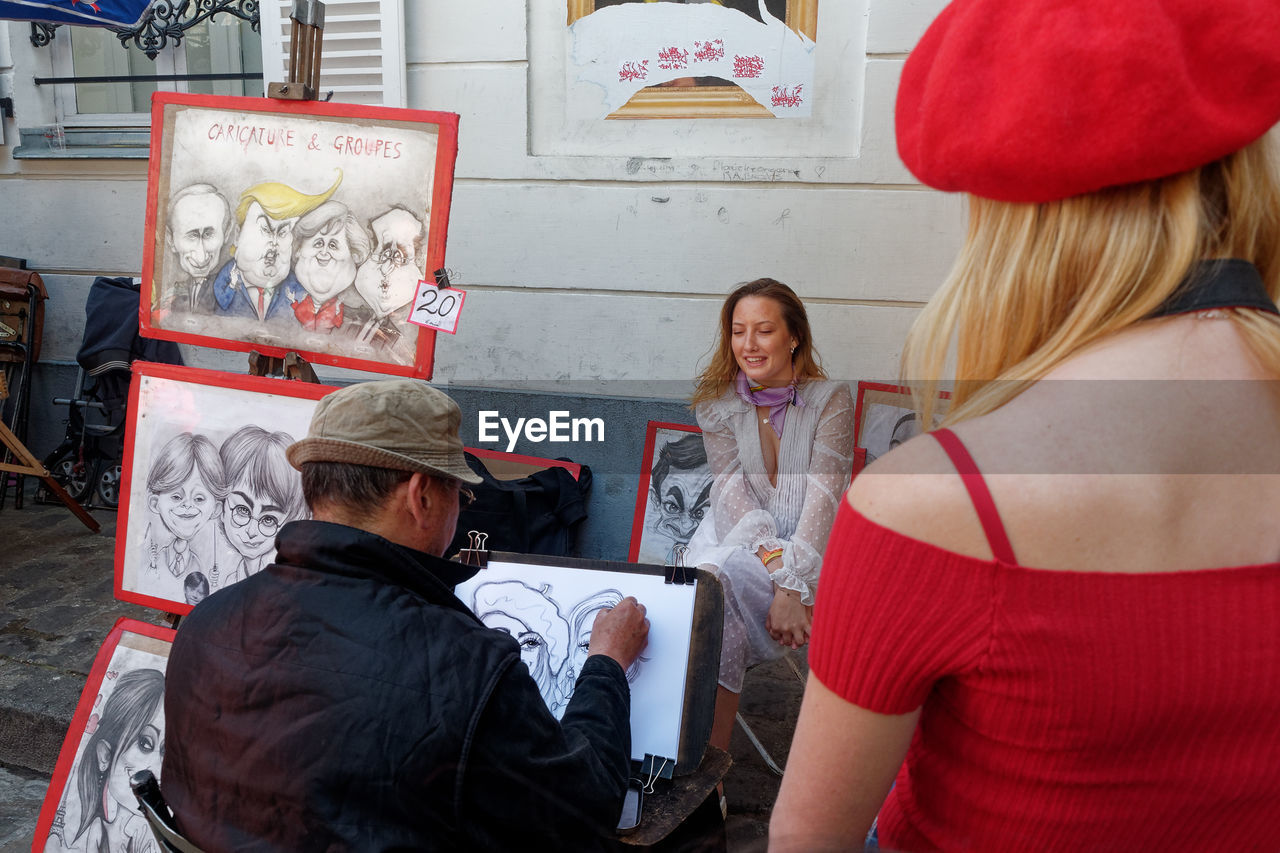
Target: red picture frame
{"type": "Point", "coordinates": [641, 532]}
{"type": "Point", "coordinates": [290, 154]}
{"type": "Point", "coordinates": [141, 638]}
{"type": "Point", "coordinates": [870, 438]}
{"type": "Point", "coordinates": [214, 413]}
{"type": "Point", "coordinates": [521, 465]}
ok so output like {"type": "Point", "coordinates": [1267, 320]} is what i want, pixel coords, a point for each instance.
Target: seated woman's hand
{"type": "Point", "coordinates": [789, 620]}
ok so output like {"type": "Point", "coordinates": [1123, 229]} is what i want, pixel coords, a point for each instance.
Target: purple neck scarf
{"type": "Point", "coordinates": [775, 400]}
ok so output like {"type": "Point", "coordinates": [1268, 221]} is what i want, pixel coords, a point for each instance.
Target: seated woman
{"type": "Point", "coordinates": [779, 440]}
{"type": "Point", "coordinates": [1073, 643]}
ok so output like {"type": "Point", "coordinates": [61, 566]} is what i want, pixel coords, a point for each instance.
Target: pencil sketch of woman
{"type": "Point", "coordinates": [329, 245]}
{"type": "Point", "coordinates": [581, 619]}
{"type": "Point", "coordinates": [101, 815]}
{"type": "Point", "coordinates": [533, 619]}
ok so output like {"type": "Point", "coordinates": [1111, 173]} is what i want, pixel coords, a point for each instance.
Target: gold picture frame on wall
{"type": "Point", "coordinates": [702, 101]}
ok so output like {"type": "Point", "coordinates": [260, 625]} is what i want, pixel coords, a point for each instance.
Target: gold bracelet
{"type": "Point", "coordinates": [770, 556]}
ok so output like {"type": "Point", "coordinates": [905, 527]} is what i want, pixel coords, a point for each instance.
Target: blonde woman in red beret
{"type": "Point", "coordinates": [1051, 624]}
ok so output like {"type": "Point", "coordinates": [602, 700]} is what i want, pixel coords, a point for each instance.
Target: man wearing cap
{"type": "Point", "coordinates": [343, 698]}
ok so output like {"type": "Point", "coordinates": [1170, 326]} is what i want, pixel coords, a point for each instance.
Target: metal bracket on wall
{"type": "Point", "coordinates": [165, 21]}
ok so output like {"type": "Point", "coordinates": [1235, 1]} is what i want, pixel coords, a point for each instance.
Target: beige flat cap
{"type": "Point", "coordinates": [400, 424]}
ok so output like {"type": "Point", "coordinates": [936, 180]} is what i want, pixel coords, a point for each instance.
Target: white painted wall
{"type": "Point", "coordinates": [603, 265]}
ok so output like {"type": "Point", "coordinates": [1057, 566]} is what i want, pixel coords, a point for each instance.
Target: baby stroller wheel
{"type": "Point", "coordinates": [75, 478]}
{"type": "Point", "coordinates": [109, 486]}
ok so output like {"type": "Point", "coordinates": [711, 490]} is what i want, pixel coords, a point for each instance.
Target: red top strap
{"type": "Point", "coordinates": [979, 494]}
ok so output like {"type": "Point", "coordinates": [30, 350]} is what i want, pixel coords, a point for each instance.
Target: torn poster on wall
{"type": "Point", "coordinates": [619, 49]}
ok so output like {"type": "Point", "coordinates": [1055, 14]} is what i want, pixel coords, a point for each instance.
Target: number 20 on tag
{"type": "Point", "coordinates": [437, 309]}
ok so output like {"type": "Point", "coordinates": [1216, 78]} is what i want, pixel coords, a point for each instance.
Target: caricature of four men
{"type": "Point", "coordinates": [284, 257]}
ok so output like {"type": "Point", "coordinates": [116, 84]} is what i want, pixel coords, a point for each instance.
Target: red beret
{"type": "Point", "coordinates": [1037, 100]}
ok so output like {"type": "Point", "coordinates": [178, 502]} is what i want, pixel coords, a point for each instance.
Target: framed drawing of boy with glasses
{"type": "Point", "coordinates": [205, 483]}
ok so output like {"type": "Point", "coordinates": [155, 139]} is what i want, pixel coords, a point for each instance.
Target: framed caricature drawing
{"type": "Point", "coordinates": [302, 226]}
{"type": "Point", "coordinates": [884, 417]}
{"type": "Point", "coordinates": [205, 483]}
{"type": "Point", "coordinates": [674, 493]}
{"type": "Point", "coordinates": [117, 729]}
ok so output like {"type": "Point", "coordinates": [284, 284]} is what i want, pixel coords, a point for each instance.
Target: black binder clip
{"type": "Point", "coordinates": [655, 767]}
{"type": "Point", "coordinates": [475, 554]}
{"type": "Point", "coordinates": [679, 572]}
{"type": "Point", "coordinates": [442, 278]}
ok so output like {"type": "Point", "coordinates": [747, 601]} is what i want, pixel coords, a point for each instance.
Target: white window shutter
{"type": "Point", "coordinates": [362, 52]}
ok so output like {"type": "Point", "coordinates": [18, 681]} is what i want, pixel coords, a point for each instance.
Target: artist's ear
{"type": "Point", "coordinates": [153, 503]}
{"type": "Point", "coordinates": [419, 499]}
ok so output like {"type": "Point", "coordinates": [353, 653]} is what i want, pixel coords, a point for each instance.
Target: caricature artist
{"type": "Point", "coordinates": [343, 698]}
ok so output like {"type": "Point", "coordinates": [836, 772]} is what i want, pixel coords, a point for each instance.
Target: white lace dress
{"type": "Point", "coordinates": [815, 459]}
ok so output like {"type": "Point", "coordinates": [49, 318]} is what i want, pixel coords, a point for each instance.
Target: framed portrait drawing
{"type": "Point", "coordinates": [697, 58]}
{"type": "Point", "coordinates": [117, 729]}
{"type": "Point", "coordinates": [674, 493]}
{"type": "Point", "coordinates": [205, 483]}
{"type": "Point", "coordinates": [884, 417]}
{"type": "Point", "coordinates": [299, 226]}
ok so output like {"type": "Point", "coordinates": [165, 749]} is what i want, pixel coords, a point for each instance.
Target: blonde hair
{"type": "Point", "coordinates": [723, 367]}
{"type": "Point", "coordinates": [1035, 283]}
{"type": "Point", "coordinates": [281, 201]}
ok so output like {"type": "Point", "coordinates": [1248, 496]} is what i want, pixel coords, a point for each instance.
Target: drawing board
{"type": "Point", "coordinates": [300, 226]}
{"type": "Point", "coordinates": [89, 804]}
{"type": "Point", "coordinates": [674, 493]}
{"type": "Point", "coordinates": [548, 604]}
{"type": "Point", "coordinates": [205, 483]}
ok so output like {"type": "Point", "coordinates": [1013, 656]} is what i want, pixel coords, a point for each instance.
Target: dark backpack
{"type": "Point", "coordinates": [538, 514]}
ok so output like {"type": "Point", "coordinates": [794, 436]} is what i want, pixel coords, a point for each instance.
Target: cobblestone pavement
{"type": "Point", "coordinates": [57, 605]}
{"type": "Point", "coordinates": [21, 792]}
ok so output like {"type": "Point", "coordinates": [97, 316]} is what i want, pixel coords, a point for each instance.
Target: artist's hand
{"type": "Point", "coordinates": [621, 632]}
{"type": "Point", "coordinates": [789, 621]}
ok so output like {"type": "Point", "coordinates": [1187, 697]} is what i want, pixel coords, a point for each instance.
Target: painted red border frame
{"type": "Point", "coordinates": [859, 461]}
{"type": "Point", "coordinates": [195, 376]}
{"type": "Point", "coordinates": [441, 197]}
{"type": "Point", "coordinates": [642, 493]}
{"type": "Point", "coordinates": [573, 468]}
{"type": "Point", "coordinates": [67, 755]}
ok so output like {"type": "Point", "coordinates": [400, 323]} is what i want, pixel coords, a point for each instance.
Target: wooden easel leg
{"type": "Point", "coordinates": [32, 466]}
{"type": "Point", "coordinates": [80, 512]}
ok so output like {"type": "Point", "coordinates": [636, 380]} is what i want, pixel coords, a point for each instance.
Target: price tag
{"type": "Point", "coordinates": [437, 308]}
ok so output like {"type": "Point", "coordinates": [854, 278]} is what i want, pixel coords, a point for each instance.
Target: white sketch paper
{"type": "Point", "coordinates": [677, 496]}
{"type": "Point", "coordinates": [123, 735]}
{"type": "Point", "coordinates": [549, 611]}
{"type": "Point", "coordinates": [209, 486]}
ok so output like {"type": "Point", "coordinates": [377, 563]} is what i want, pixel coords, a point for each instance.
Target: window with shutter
{"type": "Point", "coordinates": [362, 59]}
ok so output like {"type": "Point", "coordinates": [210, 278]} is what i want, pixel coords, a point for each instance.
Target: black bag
{"type": "Point", "coordinates": [538, 514]}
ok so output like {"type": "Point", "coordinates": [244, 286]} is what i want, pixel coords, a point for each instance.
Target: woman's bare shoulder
{"type": "Point", "coordinates": [915, 490]}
